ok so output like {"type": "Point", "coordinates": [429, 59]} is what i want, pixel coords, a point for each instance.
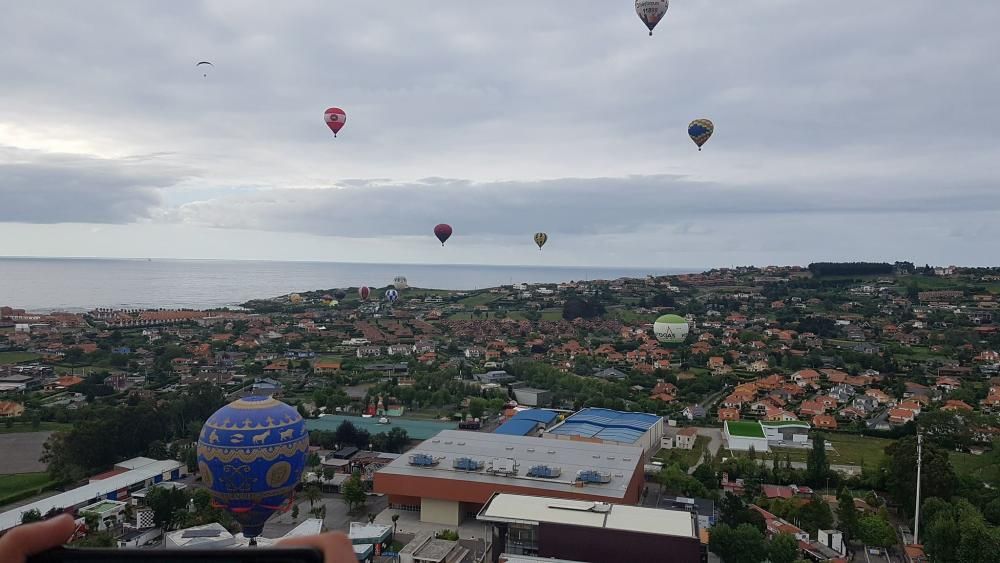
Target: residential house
{"type": "Point", "coordinates": [692, 412]}
{"type": "Point", "coordinates": [10, 409]}
{"type": "Point", "coordinates": [728, 414]}
{"type": "Point", "coordinates": [811, 408]}
{"type": "Point", "coordinates": [326, 367]}
{"type": "Point", "coordinates": [824, 422]}
{"type": "Point", "coordinates": [805, 377]}
{"type": "Point", "coordinates": [369, 351]}
{"type": "Point", "coordinates": [955, 405]}
{"type": "Point", "coordinates": [879, 396]}
{"type": "Point", "coordinates": [716, 362]}
{"type": "Point", "coordinates": [758, 366]}
{"type": "Point", "coordinates": [901, 416]}
{"type": "Point", "coordinates": [948, 384]}
{"type": "Point", "coordinates": [609, 373]}
{"type": "Point", "coordinates": [685, 438]}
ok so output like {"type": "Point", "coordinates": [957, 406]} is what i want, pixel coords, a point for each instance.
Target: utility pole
{"type": "Point", "coordinates": [916, 519]}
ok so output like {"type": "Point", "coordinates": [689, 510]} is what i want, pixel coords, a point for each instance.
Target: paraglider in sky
{"type": "Point", "coordinates": [204, 67]}
{"type": "Point", "coordinates": [442, 232]}
{"type": "Point", "coordinates": [364, 292]}
{"type": "Point", "coordinates": [651, 12]}
{"type": "Point", "coordinates": [340, 294]}
{"type": "Point", "coordinates": [251, 454]}
{"type": "Point", "coordinates": [295, 298]}
{"type": "Point", "coordinates": [700, 130]}
{"type": "Point", "coordinates": [671, 329]}
{"type": "Point", "coordinates": [399, 282]}
{"type": "Point", "coordinates": [335, 119]}
{"type": "Point", "coordinates": [391, 295]}
{"type": "Point", "coordinates": [541, 239]}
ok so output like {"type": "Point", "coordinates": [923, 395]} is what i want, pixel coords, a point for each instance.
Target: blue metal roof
{"type": "Point", "coordinates": [514, 427]}
{"type": "Point", "coordinates": [522, 423]}
{"type": "Point", "coordinates": [606, 424]}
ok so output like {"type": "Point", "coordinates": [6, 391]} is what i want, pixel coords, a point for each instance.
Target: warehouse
{"type": "Point", "coordinates": [590, 532]}
{"type": "Point", "coordinates": [743, 435]}
{"type": "Point", "coordinates": [449, 477]}
{"type": "Point", "coordinates": [781, 431]}
{"type": "Point", "coordinates": [527, 422]}
{"type": "Point", "coordinates": [606, 426]}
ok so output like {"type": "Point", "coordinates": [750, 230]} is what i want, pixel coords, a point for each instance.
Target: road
{"type": "Point", "coordinates": [337, 517]}
{"type": "Point", "coordinates": [714, 443]}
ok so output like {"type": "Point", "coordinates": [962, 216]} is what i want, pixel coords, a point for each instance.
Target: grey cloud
{"type": "Point", "coordinates": [568, 205]}
{"type": "Point", "coordinates": [56, 188]}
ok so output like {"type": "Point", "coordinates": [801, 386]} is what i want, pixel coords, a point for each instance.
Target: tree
{"type": "Point", "coordinates": [784, 548]}
{"type": "Point", "coordinates": [295, 513]}
{"type": "Point", "coordinates": [743, 544]}
{"type": "Point", "coordinates": [354, 492]}
{"type": "Point", "coordinates": [477, 407]}
{"type": "Point", "coordinates": [29, 516]}
{"type": "Point", "coordinates": [166, 503]}
{"type": "Point", "coordinates": [817, 465]}
{"type": "Point", "coordinates": [313, 459]}
{"type": "Point", "coordinates": [312, 494]}
{"type": "Point", "coordinates": [733, 512]}
{"type": "Point", "coordinates": [875, 531]}
{"type": "Point", "coordinates": [99, 539]}
{"type": "Point", "coordinates": [450, 535]}
{"type": "Point", "coordinates": [371, 518]}
{"type": "Point", "coordinates": [847, 515]}
{"type": "Point", "coordinates": [157, 450]}
{"type": "Point", "coordinates": [937, 475]}
{"type": "Point", "coordinates": [815, 515]}
{"type": "Point", "coordinates": [395, 519]}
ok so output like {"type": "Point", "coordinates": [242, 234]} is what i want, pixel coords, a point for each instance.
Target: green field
{"type": "Point", "coordinates": [42, 427]}
{"type": "Point", "coordinates": [745, 429]}
{"type": "Point", "coordinates": [847, 449]}
{"type": "Point", "coordinates": [478, 299]}
{"type": "Point", "coordinates": [17, 357]}
{"type": "Point", "coordinates": [979, 466]}
{"type": "Point", "coordinates": [22, 485]}
{"type": "Point", "coordinates": [687, 457]}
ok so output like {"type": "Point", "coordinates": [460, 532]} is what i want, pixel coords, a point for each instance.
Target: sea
{"type": "Point", "coordinates": [81, 284]}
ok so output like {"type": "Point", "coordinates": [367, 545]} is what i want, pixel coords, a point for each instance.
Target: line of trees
{"type": "Point", "coordinates": [820, 269]}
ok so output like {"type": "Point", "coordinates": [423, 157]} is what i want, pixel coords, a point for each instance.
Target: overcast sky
{"type": "Point", "coordinates": [844, 130]}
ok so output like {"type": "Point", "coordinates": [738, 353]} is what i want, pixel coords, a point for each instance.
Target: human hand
{"type": "Point", "coordinates": [34, 538]}
{"type": "Point", "coordinates": [336, 547]}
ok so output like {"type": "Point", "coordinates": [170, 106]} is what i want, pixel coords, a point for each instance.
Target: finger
{"type": "Point", "coordinates": [336, 547]}
{"type": "Point", "coordinates": [30, 539]}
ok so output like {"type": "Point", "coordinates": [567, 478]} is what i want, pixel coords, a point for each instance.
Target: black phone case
{"type": "Point", "coordinates": [249, 555]}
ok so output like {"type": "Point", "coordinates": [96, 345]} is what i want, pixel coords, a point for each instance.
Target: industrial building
{"type": "Point", "coordinates": [527, 422]}
{"type": "Point", "coordinates": [606, 426]}
{"type": "Point", "coordinates": [589, 532]}
{"type": "Point", "coordinates": [741, 435]}
{"type": "Point", "coordinates": [788, 431]}
{"type": "Point", "coordinates": [531, 397]}
{"type": "Point", "coordinates": [449, 477]}
{"type": "Point", "coordinates": [127, 477]}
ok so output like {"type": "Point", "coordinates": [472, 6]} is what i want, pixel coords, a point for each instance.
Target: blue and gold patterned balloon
{"type": "Point", "coordinates": [251, 454]}
{"type": "Point", "coordinates": [700, 130]}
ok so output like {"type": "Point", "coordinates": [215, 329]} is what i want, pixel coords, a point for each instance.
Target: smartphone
{"type": "Point", "coordinates": [250, 555]}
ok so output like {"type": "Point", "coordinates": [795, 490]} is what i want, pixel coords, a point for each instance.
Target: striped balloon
{"type": "Point", "coordinates": [700, 130]}
{"type": "Point", "coordinates": [541, 239]}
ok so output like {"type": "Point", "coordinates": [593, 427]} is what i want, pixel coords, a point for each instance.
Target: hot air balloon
{"type": "Point", "coordinates": [295, 298]}
{"type": "Point", "coordinates": [364, 292]}
{"type": "Point", "coordinates": [335, 119]}
{"type": "Point", "coordinates": [399, 282]}
{"type": "Point", "coordinates": [203, 66]}
{"type": "Point", "coordinates": [333, 303]}
{"type": "Point", "coordinates": [541, 239]}
{"type": "Point", "coordinates": [442, 232]}
{"type": "Point", "coordinates": [340, 294]}
{"type": "Point", "coordinates": [671, 329]}
{"type": "Point", "coordinates": [700, 130]}
{"type": "Point", "coordinates": [251, 454]}
{"type": "Point", "coordinates": [391, 295]}
{"type": "Point", "coordinates": [651, 12]}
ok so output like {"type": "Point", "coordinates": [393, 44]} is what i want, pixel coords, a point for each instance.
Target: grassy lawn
{"type": "Point", "coordinates": [551, 314]}
{"type": "Point", "coordinates": [478, 299]}
{"type": "Point", "coordinates": [17, 357]}
{"type": "Point", "coordinates": [626, 315]}
{"type": "Point", "coordinates": [745, 429]}
{"type": "Point", "coordinates": [848, 449]}
{"type": "Point", "coordinates": [22, 485]}
{"type": "Point", "coordinates": [42, 427]}
{"type": "Point", "coordinates": [687, 457]}
{"type": "Point", "coordinates": [980, 466]}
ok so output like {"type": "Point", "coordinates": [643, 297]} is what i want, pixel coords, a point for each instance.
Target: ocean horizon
{"type": "Point", "coordinates": [80, 284]}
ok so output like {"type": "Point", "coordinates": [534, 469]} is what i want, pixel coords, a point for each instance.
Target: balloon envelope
{"type": "Point", "coordinates": [442, 232]}
{"type": "Point", "coordinates": [651, 11]}
{"type": "Point", "coordinates": [391, 295]}
{"type": "Point", "coordinates": [364, 292]}
{"type": "Point", "coordinates": [295, 298]}
{"type": "Point", "coordinates": [251, 454]}
{"type": "Point", "coordinates": [335, 119]}
{"type": "Point", "coordinates": [700, 130]}
{"type": "Point", "coordinates": [671, 329]}
{"type": "Point", "coordinates": [541, 239]}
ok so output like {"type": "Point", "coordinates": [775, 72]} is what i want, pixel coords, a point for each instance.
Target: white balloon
{"type": "Point", "coordinates": [651, 11]}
